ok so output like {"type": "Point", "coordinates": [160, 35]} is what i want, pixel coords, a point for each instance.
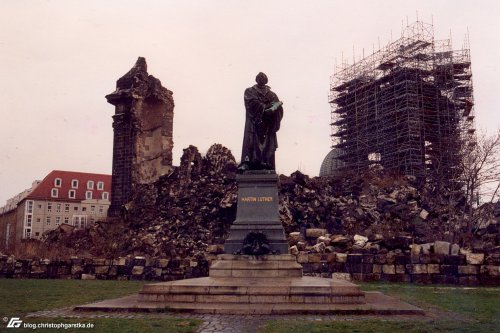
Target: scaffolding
{"type": "Point", "coordinates": [408, 107]}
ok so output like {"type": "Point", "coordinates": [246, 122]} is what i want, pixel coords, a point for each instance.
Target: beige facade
{"type": "Point", "coordinates": [39, 216]}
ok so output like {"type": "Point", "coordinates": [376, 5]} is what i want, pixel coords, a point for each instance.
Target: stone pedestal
{"type": "Point", "coordinates": [258, 211]}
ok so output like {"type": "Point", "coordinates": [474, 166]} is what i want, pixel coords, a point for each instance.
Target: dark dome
{"type": "Point", "coordinates": [331, 163]}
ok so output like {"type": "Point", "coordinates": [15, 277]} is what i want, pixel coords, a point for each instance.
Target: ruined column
{"type": "Point", "coordinates": [143, 128]}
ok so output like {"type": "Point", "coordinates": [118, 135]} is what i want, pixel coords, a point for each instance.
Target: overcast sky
{"type": "Point", "coordinates": [58, 59]}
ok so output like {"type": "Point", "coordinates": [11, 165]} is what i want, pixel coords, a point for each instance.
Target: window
{"type": "Point", "coordinates": [72, 194]}
{"type": "Point", "coordinates": [58, 208]}
{"type": "Point", "coordinates": [38, 220]}
{"type": "Point", "coordinates": [66, 219]}
{"type": "Point", "coordinates": [57, 182]}
{"type": "Point", "coordinates": [48, 220]}
{"type": "Point", "coordinates": [105, 195]}
{"type": "Point", "coordinates": [101, 209]}
{"type": "Point", "coordinates": [88, 195]}
{"type": "Point", "coordinates": [54, 193]}
{"type": "Point", "coordinates": [90, 185]}
{"type": "Point", "coordinates": [58, 220]}
{"type": "Point", "coordinates": [92, 209]}
{"type": "Point", "coordinates": [37, 233]}
{"type": "Point", "coordinates": [28, 220]}
{"type": "Point", "coordinates": [75, 208]}
{"type": "Point", "coordinates": [76, 221]}
{"type": "Point", "coordinates": [49, 207]}
{"type": "Point", "coordinates": [74, 183]}
{"type": "Point", "coordinates": [39, 206]}
{"type": "Point", "coordinates": [100, 186]}
{"type": "Point", "coordinates": [84, 209]}
{"type": "Point", "coordinates": [28, 233]}
{"type": "Point", "coordinates": [66, 208]}
{"type": "Point", "coordinates": [29, 206]}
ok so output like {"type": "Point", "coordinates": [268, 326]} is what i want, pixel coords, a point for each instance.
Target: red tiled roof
{"type": "Point", "coordinates": [43, 190]}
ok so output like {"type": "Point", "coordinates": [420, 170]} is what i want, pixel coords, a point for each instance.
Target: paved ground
{"type": "Point", "coordinates": [212, 322]}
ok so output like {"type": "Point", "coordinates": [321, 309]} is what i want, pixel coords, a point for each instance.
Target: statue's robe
{"type": "Point", "coordinates": [260, 141]}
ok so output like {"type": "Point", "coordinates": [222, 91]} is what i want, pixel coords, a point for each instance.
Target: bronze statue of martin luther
{"type": "Point", "coordinates": [264, 112]}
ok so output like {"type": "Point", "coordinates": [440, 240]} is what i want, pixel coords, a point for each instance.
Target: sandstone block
{"type": "Point", "coordinates": [433, 269]}
{"type": "Point", "coordinates": [294, 250]}
{"type": "Point", "coordinates": [388, 269]}
{"type": "Point", "coordinates": [341, 276]}
{"type": "Point", "coordinates": [163, 263]}
{"type": "Point", "coordinates": [441, 247]}
{"type": "Point", "coordinates": [137, 270]}
{"type": "Point", "coordinates": [315, 232]}
{"type": "Point", "coordinates": [490, 270]}
{"type": "Point", "coordinates": [468, 270]}
{"type": "Point", "coordinates": [88, 277]}
{"type": "Point", "coordinates": [323, 239]}
{"type": "Point", "coordinates": [303, 258]}
{"type": "Point", "coordinates": [474, 258]}
{"type": "Point", "coordinates": [101, 269]}
{"type": "Point", "coordinates": [419, 269]}
{"type": "Point", "coordinates": [341, 257]}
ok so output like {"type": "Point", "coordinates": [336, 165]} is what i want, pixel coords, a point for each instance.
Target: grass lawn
{"type": "Point", "coordinates": [453, 309]}
{"type": "Point", "coordinates": [19, 297]}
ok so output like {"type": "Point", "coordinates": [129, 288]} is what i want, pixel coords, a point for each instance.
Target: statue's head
{"type": "Point", "coordinates": [261, 79]}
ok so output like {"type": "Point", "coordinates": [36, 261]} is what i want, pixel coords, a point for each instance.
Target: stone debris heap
{"type": "Point", "coordinates": [186, 215]}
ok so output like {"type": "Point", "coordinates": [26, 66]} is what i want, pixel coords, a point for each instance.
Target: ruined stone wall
{"type": "Point", "coordinates": [143, 131]}
{"type": "Point", "coordinates": [469, 269]}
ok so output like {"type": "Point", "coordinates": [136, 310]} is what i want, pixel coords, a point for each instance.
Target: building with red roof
{"type": "Point", "coordinates": [63, 197]}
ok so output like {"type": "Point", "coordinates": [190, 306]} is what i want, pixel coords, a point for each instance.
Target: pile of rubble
{"type": "Point", "coordinates": [187, 213]}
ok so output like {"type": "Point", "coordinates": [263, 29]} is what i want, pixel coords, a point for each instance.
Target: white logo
{"type": "Point", "coordinates": [14, 322]}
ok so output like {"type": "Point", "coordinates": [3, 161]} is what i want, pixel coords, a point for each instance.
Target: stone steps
{"type": "Point", "coordinates": [376, 303]}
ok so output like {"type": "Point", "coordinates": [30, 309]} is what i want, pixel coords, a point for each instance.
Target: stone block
{"type": "Point", "coordinates": [215, 249]}
{"type": "Point", "coordinates": [101, 269]}
{"type": "Point", "coordinates": [294, 237]}
{"type": "Point", "coordinates": [330, 257]}
{"type": "Point", "coordinates": [389, 269]}
{"type": "Point", "coordinates": [341, 257]}
{"type": "Point", "coordinates": [360, 240]}
{"type": "Point", "coordinates": [474, 258]}
{"type": "Point", "coordinates": [423, 214]}
{"type": "Point", "coordinates": [88, 277]}
{"type": "Point", "coordinates": [455, 249]}
{"type": "Point", "coordinates": [341, 276]}
{"type": "Point", "coordinates": [99, 261]}
{"type": "Point", "coordinates": [163, 263]}
{"type": "Point", "coordinates": [390, 258]}
{"type": "Point", "coordinates": [468, 270]}
{"type": "Point", "coordinates": [377, 269]}
{"type": "Point", "coordinates": [319, 247]}
{"type": "Point", "coordinates": [441, 247]}
{"type": "Point", "coordinates": [315, 232]}
{"type": "Point", "coordinates": [419, 269]}
{"type": "Point", "coordinates": [303, 258]}
{"type": "Point", "coordinates": [433, 269]}
{"type": "Point", "coordinates": [380, 259]}
{"type": "Point", "coordinates": [490, 270]}
{"type": "Point", "coordinates": [314, 257]}
{"type": "Point", "coordinates": [137, 270]}
{"type": "Point", "coordinates": [400, 269]}
{"type": "Point", "coordinates": [323, 239]}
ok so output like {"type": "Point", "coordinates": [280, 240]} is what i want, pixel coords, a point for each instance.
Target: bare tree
{"type": "Point", "coordinates": [480, 172]}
